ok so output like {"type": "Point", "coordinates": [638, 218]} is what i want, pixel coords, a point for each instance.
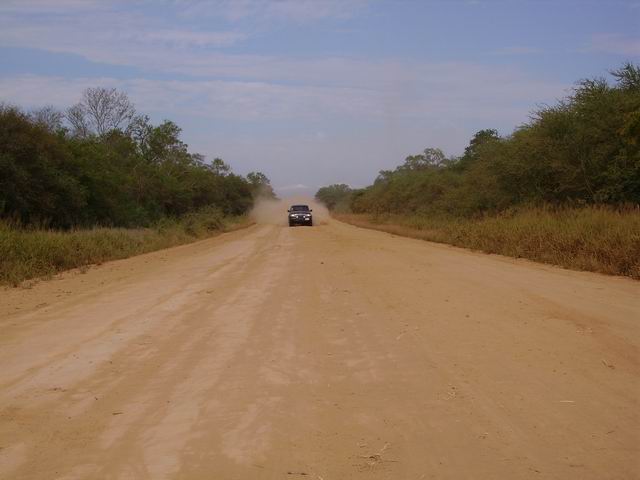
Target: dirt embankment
{"type": "Point", "coordinates": [327, 353]}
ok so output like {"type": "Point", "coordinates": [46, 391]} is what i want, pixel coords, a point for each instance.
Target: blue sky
{"type": "Point", "coordinates": [313, 92]}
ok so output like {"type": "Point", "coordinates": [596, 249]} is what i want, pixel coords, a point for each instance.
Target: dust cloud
{"type": "Point", "coordinates": [274, 212]}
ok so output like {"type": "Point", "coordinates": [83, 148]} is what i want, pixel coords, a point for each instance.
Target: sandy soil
{"type": "Point", "coordinates": [326, 353]}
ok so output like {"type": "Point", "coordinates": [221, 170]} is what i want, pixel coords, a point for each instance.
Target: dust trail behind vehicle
{"type": "Point", "coordinates": [274, 212]}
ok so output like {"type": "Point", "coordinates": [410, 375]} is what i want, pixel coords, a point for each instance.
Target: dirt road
{"type": "Point", "coordinates": [324, 353]}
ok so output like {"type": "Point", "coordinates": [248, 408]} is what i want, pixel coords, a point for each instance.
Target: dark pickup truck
{"type": "Point", "coordinates": [300, 215]}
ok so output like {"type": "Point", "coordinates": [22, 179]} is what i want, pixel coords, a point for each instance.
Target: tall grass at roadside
{"type": "Point", "coordinates": [30, 253]}
{"type": "Point", "coordinates": [596, 239]}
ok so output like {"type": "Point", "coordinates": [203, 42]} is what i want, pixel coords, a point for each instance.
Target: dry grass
{"type": "Point", "coordinates": [596, 239]}
{"type": "Point", "coordinates": [32, 253]}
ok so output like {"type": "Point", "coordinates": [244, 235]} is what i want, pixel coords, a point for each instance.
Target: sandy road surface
{"type": "Point", "coordinates": [327, 353]}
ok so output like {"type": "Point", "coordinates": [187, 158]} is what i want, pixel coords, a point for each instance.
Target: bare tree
{"type": "Point", "coordinates": [100, 111]}
{"type": "Point", "coordinates": [77, 119]}
{"type": "Point", "coordinates": [49, 117]}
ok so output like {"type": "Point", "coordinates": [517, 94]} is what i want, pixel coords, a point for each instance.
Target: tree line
{"type": "Point", "coordinates": [584, 150]}
{"type": "Point", "coordinates": [101, 163]}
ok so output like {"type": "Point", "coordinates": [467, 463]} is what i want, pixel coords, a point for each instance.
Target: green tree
{"type": "Point", "coordinates": [335, 197]}
{"type": "Point", "coordinates": [38, 174]}
{"type": "Point", "coordinates": [219, 167]}
{"type": "Point", "coordinates": [260, 185]}
{"type": "Point", "coordinates": [104, 174]}
{"type": "Point", "coordinates": [429, 158]}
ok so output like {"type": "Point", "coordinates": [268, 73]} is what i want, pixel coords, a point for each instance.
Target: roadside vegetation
{"type": "Point", "coordinates": [563, 188]}
{"type": "Point", "coordinates": [99, 181]}
{"type": "Point", "coordinates": [27, 253]}
{"type": "Point", "coordinates": [597, 239]}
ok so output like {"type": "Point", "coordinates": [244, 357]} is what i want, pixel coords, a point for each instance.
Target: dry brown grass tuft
{"type": "Point", "coordinates": [32, 253]}
{"type": "Point", "coordinates": [596, 239]}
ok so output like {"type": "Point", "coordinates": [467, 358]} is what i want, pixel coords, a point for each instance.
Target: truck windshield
{"type": "Point", "coordinates": [299, 208]}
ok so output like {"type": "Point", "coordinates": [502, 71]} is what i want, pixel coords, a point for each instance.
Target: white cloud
{"type": "Point", "coordinates": [517, 51]}
{"type": "Point", "coordinates": [298, 11]}
{"type": "Point", "coordinates": [280, 87]}
{"type": "Point", "coordinates": [305, 10]}
{"type": "Point", "coordinates": [271, 85]}
{"type": "Point", "coordinates": [107, 32]}
{"type": "Point", "coordinates": [103, 33]}
{"type": "Point", "coordinates": [615, 44]}
{"type": "Point", "coordinates": [438, 92]}
{"type": "Point", "coordinates": [364, 86]}
{"type": "Point", "coordinates": [31, 91]}
{"type": "Point", "coordinates": [51, 6]}
{"type": "Point", "coordinates": [183, 38]}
